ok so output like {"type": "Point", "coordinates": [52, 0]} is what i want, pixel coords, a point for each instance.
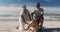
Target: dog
{"type": "Point", "coordinates": [33, 26]}
{"type": "Point", "coordinates": [35, 23]}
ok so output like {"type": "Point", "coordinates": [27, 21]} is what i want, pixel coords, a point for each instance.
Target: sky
{"type": "Point", "coordinates": [30, 2]}
{"type": "Point", "coordinates": [13, 6]}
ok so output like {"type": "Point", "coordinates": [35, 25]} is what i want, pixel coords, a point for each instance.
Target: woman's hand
{"type": "Point", "coordinates": [26, 26]}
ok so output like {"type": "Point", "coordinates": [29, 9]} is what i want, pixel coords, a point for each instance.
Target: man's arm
{"type": "Point", "coordinates": [22, 17]}
{"type": "Point", "coordinates": [42, 14]}
{"type": "Point", "coordinates": [32, 14]}
{"type": "Point", "coordinates": [42, 18]}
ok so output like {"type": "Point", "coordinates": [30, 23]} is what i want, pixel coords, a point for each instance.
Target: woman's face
{"type": "Point", "coordinates": [24, 8]}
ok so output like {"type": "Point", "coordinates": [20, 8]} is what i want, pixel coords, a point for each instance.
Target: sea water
{"type": "Point", "coordinates": [15, 17]}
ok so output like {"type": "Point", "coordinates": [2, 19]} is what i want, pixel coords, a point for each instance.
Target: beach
{"type": "Point", "coordinates": [10, 26]}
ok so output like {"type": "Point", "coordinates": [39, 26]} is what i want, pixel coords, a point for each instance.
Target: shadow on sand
{"type": "Point", "coordinates": [51, 30]}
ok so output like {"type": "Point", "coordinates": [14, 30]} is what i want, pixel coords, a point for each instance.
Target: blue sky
{"type": "Point", "coordinates": [48, 3]}
{"type": "Point", "coordinates": [14, 6]}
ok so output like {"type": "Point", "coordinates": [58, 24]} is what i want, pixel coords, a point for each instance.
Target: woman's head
{"type": "Point", "coordinates": [24, 8]}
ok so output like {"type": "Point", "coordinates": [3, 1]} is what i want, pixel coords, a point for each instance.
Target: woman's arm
{"type": "Point", "coordinates": [22, 17]}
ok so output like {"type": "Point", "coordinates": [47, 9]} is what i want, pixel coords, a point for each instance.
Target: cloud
{"type": "Point", "coordinates": [17, 9]}
{"type": "Point", "coordinates": [14, 7]}
{"type": "Point", "coordinates": [52, 9]}
{"type": "Point", "coordinates": [10, 8]}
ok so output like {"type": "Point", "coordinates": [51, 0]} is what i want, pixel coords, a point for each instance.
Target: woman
{"type": "Point", "coordinates": [24, 18]}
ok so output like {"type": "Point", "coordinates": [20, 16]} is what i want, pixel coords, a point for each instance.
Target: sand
{"type": "Point", "coordinates": [10, 26]}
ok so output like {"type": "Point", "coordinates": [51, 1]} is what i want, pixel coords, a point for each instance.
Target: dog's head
{"type": "Point", "coordinates": [32, 28]}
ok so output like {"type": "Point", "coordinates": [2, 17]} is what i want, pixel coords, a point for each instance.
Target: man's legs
{"type": "Point", "coordinates": [41, 23]}
{"type": "Point", "coordinates": [40, 26]}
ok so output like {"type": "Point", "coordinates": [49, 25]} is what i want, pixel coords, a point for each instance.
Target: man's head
{"type": "Point", "coordinates": [37, 5]}
{"type": "Point", "coordinates": [24, 8]}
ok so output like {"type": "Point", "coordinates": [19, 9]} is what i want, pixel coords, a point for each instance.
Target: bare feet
{"type": "Point", "coordinates": [17, 27]}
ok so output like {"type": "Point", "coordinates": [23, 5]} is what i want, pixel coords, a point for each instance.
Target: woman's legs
{"type": "Point", "coordinates": [21, 27]}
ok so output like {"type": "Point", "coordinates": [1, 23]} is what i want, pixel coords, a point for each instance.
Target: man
{"type": "Point", "coordinates": [37, 15]}
{"type": "Point", "coordinates": [24, 18]}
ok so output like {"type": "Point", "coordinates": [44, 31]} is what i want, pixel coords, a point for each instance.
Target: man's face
{"type": "Point", "coordinates": [37, 6]}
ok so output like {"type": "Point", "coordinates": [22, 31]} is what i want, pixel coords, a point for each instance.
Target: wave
{"type": "Point", "coordinates": [46, 17]}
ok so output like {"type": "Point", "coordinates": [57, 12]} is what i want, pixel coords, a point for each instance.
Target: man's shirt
{"type": "Point", "coordinates": [37, 13]}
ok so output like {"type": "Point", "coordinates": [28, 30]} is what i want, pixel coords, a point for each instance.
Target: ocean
{"type": "Point", "coordinates": [52, 16]}
{"type": "Point", "coordinates": [15, 17]}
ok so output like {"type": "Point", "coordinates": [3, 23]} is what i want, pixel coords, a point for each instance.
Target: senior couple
{"type": "Point", "coordinates": [25, 17]}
